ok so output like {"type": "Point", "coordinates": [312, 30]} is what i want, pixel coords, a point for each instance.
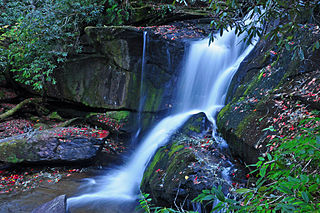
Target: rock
{"type": "Point", "coordinates": [190, 163]}
{"type": "Point", "coordinates": [196, 125]}
{"type": "Point", "coordinates": [262, 101]}
{"type": "Point", "coordinates": [110, 76]}
{"type": "Point", "coordinates": [181, 170]}
{"type": "Point", "coordinates": [49, 146]}
{"type": "Point", "coordinates": [57, 205]}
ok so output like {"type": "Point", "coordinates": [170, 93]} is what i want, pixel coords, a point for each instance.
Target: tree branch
{"type": "Point", "coordinates": [18, 107]}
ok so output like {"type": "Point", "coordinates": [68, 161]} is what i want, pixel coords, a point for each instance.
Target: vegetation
{"type": "Point", "coordinates": [288, 179]}
{"type": "Point", "coordinates": [146, 206]}
{"type": "Point", "coordinates": [275, 20]}
{"type": "Point", "coordinates": [36, 37]}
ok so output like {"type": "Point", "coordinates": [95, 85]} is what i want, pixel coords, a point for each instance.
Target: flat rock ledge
{"type": "Point", "coordinates": [57, 145]}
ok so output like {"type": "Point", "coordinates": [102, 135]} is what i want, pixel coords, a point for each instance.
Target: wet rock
{"type": "Point", "coordinates": [57, 205]}
{"type": "Point", "coordinates": [49, 146]}
{"type": "Point", "coordinates": [197, 125]}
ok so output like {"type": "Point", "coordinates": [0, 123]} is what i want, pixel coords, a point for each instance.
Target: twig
{"type": "Point", "coordinates": [306, 165]}
{"type": "Point", "coordinates": [175, 199]}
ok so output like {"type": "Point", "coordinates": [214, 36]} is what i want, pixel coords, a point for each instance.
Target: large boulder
{"type": "Point", "coordinates": [179, 171]}
{"type": "Point", "coordinates": [108, 75]}
{"type": "Point", "coordinates": [268, 97]}
{"type": "Point", "coordinates": [49, 146]}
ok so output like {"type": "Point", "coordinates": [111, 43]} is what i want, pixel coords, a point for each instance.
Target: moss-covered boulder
{"type": "Point", "coordinates": [56, 145]}
{"type": "Point", "coordinates": [267, 98]}
{"type": "Point", "coordinates": [181, 170]}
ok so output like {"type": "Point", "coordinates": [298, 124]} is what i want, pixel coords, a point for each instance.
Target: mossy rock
{"type": "Point", "coordinates": [196, 125]}
{"type": "Point", "coordinates": [167, 169]}
{"type": "Point", "coordinates": [179, 171]}
{"type": "Point", "coordinates": [250, 99]}
{"type": "Point", "coordinates": [119, 116]}
{"type": "Point", "coordinates": [48, 146]}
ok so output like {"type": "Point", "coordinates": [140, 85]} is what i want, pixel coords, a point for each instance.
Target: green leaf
{"type": "Point", "coordinates": [305, 197]}
{"type": "Point", "coordinates": [304, 178]}
{"type": "Point", "coordinates": [284, 189]}
{"type": "Point", "coordinates": [263, 171]}
{"type": "Point", "coordinates": [293, 180]}
{"type": "Point", "coordinates": [243, 190]}
{"type": "Point", "coordinates": [219, 194]}
{"type": "Point", "coordinates": [217, 208]}
{"type": "Point", "coordinates": [208, 197]}
{"type": "Point", "coordinates": [269, 156]}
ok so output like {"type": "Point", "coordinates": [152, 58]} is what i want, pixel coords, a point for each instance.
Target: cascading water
{"type": "Point", "coordinates": [203, 85]}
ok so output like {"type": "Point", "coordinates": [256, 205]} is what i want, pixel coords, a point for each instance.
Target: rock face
{"type": "Point", "coordinates": [108, 74]}
{"type": "Point", "coordinates": [57, 205]}
{"type": "Point", "coordinates": [268, 97]}
{"type": "Point", "coordinates": [54, 146]}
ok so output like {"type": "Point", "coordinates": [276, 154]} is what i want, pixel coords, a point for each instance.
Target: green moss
{"type": "Point", "coordinates": [153, 99]}
{"type": "Point", "coordinates": [238, 93]}
{"type": "Point", "coordinates": [13, 159]}
{"type": "Point", "coordinates": [119, 116]}
{"type": "Point", "coordinates": [158, 156]}
{"type": "Point", "coordinates": [222, 113]}
{"type": "Point", "coordinates": [253, 84]}
{"type": "Point", "coordinates": [10, 149]}
{"type": "Point", "coordinates": [194, 128]}
{"type": "Point", "coordinates": [132, 91]}
{"type": "Point", "coordinates": [175, 148]}
{"type": "Point", "coordinates": [55, 116]}
{"type": "Point", "coordinates": [244, 124]}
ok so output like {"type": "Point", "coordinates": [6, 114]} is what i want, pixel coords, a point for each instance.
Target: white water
{"type": "Point", "coordinates": [142, 95]}
{"type": "Point", "coordinates": [203, 86]}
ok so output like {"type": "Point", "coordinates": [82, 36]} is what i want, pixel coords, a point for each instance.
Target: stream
{"type": "Point", "coordinates": [203, 84]}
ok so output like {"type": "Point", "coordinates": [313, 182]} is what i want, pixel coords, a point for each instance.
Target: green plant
{"type": "Point", "coordinates": [287, 181]}
{"type": "Point", "coordinates": [116, 14]}
{"type": "Point", "coordinates": [286, 20]}
{"type": "Point", "coordinates": [37, 37]}
{"type": "Point", "coordinates": [145, 204]}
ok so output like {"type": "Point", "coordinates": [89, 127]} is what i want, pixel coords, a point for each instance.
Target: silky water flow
{"type": "Point", "coordinates": [202, 87]}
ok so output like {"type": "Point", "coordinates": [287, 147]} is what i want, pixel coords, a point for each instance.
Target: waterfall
{"type": "Point", "coordinates": [202, 88]}
{"type": "Point", "coordinates": [142, 94]}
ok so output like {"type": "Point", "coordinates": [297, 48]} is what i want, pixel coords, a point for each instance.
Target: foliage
{"type": "Point", "coordinates": [145, 204]}
{"type": "Point", "coordinates": [116, 13]}
{"type": "Point", "coordinates": [288, 180]}
{"type": "Point", "coordinates": [276, 20]}
{"type": "Point", "coordinates": [38, 36]}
